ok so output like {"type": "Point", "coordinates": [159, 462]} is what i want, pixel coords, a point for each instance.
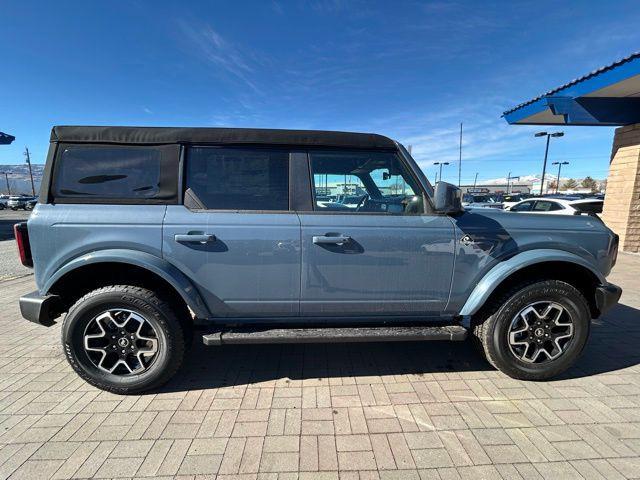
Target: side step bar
{"type": "Point", "coordinates": [335, 335]}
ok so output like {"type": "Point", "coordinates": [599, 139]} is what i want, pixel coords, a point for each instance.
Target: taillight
{"type": "Point", "coordinates": [24, 247]}
{"type": "Point", "coordinates": [614, 249]}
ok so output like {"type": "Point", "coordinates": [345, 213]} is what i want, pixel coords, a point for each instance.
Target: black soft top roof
{"type": "Point", "coordinates": [237, 136]}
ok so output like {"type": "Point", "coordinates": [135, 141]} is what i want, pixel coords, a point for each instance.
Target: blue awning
{"type": "Point", "coordinates": [608, 96]}
{"type": "Point", "coordinates": [6, 139]}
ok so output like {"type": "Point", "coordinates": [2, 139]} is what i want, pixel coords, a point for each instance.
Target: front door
{"type": "Point", "coordinates": [235, 236]}
{"type": "Point", "coordinates": [368, 248]}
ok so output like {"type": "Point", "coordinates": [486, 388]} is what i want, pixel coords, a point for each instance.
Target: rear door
{"type": "Point", "coordinates": [367, 247]}
{"type": "Point", "coordinates": [235, 235]}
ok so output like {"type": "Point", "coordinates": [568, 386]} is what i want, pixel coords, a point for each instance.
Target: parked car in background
{"type": "Point", "coordinates": [559, 206]}
{"type": "Point", "coordinates": [143, 233]}
{"type": "Point", "coordinates": [19, 202]}
{"type": "Point", "coordinates": [30, 204]}
{"type": "Point", "coordinates": [4, 199]}
{"type": "Point", "coordinates": [510, 199]}
{"type": "Point", "coordinates": [470, 200]}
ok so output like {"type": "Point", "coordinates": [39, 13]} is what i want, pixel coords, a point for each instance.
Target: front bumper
{"type": "Point", "coordinates": [40, 309]}
{"type": "Point", "coordinates": [607, 296]}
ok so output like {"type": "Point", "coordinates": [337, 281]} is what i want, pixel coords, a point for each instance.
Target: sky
{"type": "Point", "coordinates": [410, 70]}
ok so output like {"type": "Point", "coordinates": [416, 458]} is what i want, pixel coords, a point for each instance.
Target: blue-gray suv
{"type": "Point", "coordinates": [273, 236]}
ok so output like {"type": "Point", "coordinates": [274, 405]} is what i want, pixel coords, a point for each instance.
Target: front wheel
{"type": "Point", "coordinates": [123, 339]}
{"type": "Point", "coordinates": [535, 331]}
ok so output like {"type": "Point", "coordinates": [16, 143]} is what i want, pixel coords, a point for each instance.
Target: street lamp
{"type": "Point", "coordinates": [6, 178]}
{"type": "Point", "coordinates": [440, 175]}
{"type": "Point", "coordinates": [546, 153]}
{"type": "Point", "coordinates": [559, 167]}
{"type": "Point", "coordinates": [509, 178]}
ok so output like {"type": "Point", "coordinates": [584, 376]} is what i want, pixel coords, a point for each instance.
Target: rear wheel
{"type": "Point", "coordinates": [123, 339]}
{"type": "Point", "coordinates": [535, 331]}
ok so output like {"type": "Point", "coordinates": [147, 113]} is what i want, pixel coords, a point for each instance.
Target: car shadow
{"type": "Point", "coordinates": [6, 229]}
{"type": "Point", "coordinates": [613, 346]}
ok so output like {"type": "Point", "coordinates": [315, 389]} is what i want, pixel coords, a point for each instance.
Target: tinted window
{"type": "Point", "coordinates": [367, 182]}
{"type": "Point", "coordinates": [239, 178]}
{"type": "Point", "coordinates": [94, 172]}
{"type": "Point", "coordinates": [545, 206]}
{"type": "Point", "coordinates": [522, 207]}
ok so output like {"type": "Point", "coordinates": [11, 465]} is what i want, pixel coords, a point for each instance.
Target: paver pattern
{"type": "Point", "coordinates": [360, 411]}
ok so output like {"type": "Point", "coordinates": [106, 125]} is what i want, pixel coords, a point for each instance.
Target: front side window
{"type": "Point", "coordinates": [96, 173]}
{"type": "Point", "coordinates": [238, 178]}
{"type": "Point", "coordinates": [522, 207]}
{"type": "Point", "coordinates": [363, 182]}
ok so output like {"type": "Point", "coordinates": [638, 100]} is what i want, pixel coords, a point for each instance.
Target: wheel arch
{"type": "Point", "coordinates": [103, 267]}
{"type": "Point", "coordinates": [536, 264]}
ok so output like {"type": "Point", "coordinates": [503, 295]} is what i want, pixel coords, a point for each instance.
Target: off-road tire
{"type": "Point", "coordinates": [147, 303]}
{"type": "Point", "coordinates": [490, 330]}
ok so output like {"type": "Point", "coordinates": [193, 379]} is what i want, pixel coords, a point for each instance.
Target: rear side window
{"type": "Point", "coordinates": [115, 174]}
{"type": "Point", "coordinates": [544, 206]}
{"type": "Point", "coordinates": [238, 178]}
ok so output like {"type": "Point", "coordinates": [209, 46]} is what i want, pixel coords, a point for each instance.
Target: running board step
{"type": "Point", "coordinates": [335, 335]}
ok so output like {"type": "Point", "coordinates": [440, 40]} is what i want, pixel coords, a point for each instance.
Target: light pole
{"type": "Point", "coordinates": [6, 178]}
{"type": "Point", "coordinates": [475, 180]}
{"type": "Point", "coordinates": [559, 167]}
{"type": "Point", "coordinates": [509, 178]}
{"type": "Point", "coordinates": [546, 153]}
{"type": "Point", "coordinates": [440, 174]}
{"type": "Point", "coordinates": [26, 154]}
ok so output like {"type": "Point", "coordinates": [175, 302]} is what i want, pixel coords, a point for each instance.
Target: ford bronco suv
{"type": "Point", "coordinates": [273, 236]}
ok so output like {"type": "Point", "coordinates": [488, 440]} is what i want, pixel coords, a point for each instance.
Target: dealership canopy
{"type": "Point", "coordinates": [608, 96]}
{"type": "Point", "coordinates": [6, 139]}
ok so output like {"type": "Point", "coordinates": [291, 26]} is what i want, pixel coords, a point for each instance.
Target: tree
{"type": "Point", "coordinates": [589, 183]}
{"type": "Point", "coordinates": [552, 185]}
{"type": "Point", "coordinates": [569, 184]}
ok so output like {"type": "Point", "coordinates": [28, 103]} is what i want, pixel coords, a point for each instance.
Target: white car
{"type": "Point", "coordinates": [557, 206]}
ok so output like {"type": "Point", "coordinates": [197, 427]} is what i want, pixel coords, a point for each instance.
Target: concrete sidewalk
{"type": "Point", "coordinates": [359, 411]}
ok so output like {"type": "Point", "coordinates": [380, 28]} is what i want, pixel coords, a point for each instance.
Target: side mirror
{"type": "Point", "coordinates": [447, 198]}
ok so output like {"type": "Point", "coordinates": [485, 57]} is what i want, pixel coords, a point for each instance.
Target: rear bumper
{"type": "Point", "coordinates": [607, 296]}
{"type": "Point", "coordinates": [39, 309]}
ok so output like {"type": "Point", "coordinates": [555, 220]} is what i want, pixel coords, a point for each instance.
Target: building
{"type": "Point", "coordinates": [609, 96]}
{"type": "Point", "coordinates": [499, 188]}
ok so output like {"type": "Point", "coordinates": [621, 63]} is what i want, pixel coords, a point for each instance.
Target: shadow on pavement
{"type": "Point", "coordinates": [613, 346]}
{"type": "Point", "coordinates": [231, 365]}
{"type": "Point", "coordinates": [6, 229]}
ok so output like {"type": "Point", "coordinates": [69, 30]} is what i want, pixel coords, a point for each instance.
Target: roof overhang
{"type": "Point", "coordinates": [609, 96]}
{"type": "Point", "coordinates": [6, 139]}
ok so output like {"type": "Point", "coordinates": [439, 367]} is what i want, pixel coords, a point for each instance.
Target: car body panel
{"type": "Point", "coordinates": [252, 269]}
{"type": "Point", "coordinates": [145, 260]}
{"type": "Point", "coordinates": [393, 264]}
{"type": "Point", "coordinates": [504, 269]}
{"type": "Point", "coordinates": [60, 233]}
{"type": "Point", "coordinates": [487, 237]}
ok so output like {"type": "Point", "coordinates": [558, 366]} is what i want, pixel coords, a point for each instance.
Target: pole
{"type": "Point", "coordinates": [440, 175]}
{"type": "Point", "coordinates": [475, 180]}
{"type": "Point", "coordinates": [544, 165]}
{"type": "Point", "coordinates": [558, 180]}
{"type": "Point", "coordinates": [460, 157]}
{"type": "Point", "coordinates": [508, 180]}
{"type": "Point", "coordinates": [6, 177]}
{"type": "Point", "coordinates": [26, 153]}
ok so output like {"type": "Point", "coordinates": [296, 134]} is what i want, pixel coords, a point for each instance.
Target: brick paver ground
{"type": "Point", "coordinates": [361, 411]}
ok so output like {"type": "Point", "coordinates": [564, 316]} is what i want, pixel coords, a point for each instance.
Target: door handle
{"type": "Point", "coordinates": [195, 238]}
{"type": "Point", "coordinates": [330, 240]}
